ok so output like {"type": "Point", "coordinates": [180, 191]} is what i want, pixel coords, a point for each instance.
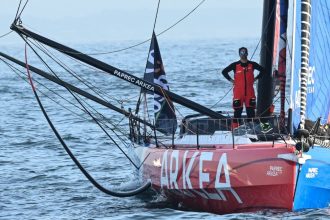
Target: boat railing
{"type": "Point", "coordinates": [199, 128]}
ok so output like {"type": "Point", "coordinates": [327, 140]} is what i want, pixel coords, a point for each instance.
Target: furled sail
{"type": "Point", "coordinates": [318, 81]}
{"type": "Point", "coordinates": [282, 54]}
{"type": "Point", "coordinates": [279, 53]}
{"type": "Point", "coordinates": [165, 118]}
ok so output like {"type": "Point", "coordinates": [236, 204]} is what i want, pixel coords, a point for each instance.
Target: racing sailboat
{"type": "Point", "coordinates": [209, 166]}
{"type": "Point", "coordinates": [212, 171]}
{"type": "Point", "coordinates": [310, 100]}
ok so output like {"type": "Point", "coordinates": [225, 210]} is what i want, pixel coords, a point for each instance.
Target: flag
{"type": "Point", "coordinates": [165, 118]}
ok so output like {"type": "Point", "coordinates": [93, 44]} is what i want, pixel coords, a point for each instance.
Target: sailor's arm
{"type": "Point", "coordinates": [260, 69]}
{"type": "Point", "coordinates": [226, 70]}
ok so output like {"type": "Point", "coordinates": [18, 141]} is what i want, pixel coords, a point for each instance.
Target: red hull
{"type": "Point", "coordinates": [222, 179]}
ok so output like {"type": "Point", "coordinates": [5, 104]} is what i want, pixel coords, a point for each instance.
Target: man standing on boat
{"type": "Point", "coordinates": [243, 85]}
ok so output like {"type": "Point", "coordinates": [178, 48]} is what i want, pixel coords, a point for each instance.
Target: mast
{"type": "Point", "coordinates": [117, 72]}
{"type": "Point", "coordinates": [265, 84]}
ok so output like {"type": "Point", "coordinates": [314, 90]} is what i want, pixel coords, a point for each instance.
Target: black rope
{"type": "Point", "coordinates": [102, 120]}
{"type": "Point", "coordinates": [121, 101]}
{"type": "Point", "coordinates": [1, 36]}
{"type": "Point", "coordinates": [82, 105]}
{"type": "Point", "coordinates": [112, 129]}
{"type": "Point", "coordinates": [153, 29]}
{"type": "Point", "coordinates": [99, 92]}
{"type": "Point", "coordinates": [73, 73]}
{"type": "Point", "coordinates": [145, 41]}
{"type": "Point", "coordinates": [87, 175]}
{"type": "Point", "coordinates": [162, 32]}
{"type": "Point", "coordinates": [19, 6]}
{"type": "Point", "coordinates": [222, 97]}
{"type": "Point", "coordinates": [19, 15]}
{"type": "Point", "coordinates": [182, 18]}
{"type": "Point", "coordinates": [15, 70]}
{"type": "Point", "coordinates": [137, 108]}
{"type": "Point", "coordinates": [267, 25]}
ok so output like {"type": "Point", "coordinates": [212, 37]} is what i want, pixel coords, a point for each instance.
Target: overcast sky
{"type": "Point", "coordinates": [109, 20]}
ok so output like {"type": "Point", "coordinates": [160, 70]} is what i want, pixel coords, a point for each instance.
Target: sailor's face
{"type": "Point", "coordinates": [243, 54]}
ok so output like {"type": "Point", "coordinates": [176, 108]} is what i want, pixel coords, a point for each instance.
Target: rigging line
{"type": "Point", "coordinates": [145, 41]}
{"type": "Point", "coordinates": [120, 101]}
{"type": "Point", "coordinates": [222, 97]}
{"type": "Point", "coordinates": [184, 17]}
{"type": "Point", "coordinates": [15, 70]}
{"type": "Point", "coordinates": [112, 129]}
{"type": "Point", "coordinates": [181, 18]}
{"type": "Point", "coordinates": [75, 75]}
{"type": "Point", "coordinates": [97, 122]}
{"type": "Point", "coordinates": [1, 36]}
{"type": "Point", "coordinates": [23, 9]}
{"type": "Point", "coordinates": [267, 25]}
{"type": "Point", "coordinates": [87, 175]}
{"type": "Point", "coordinates": [70, 71]}
{"type": "Point", "coordinates": [86, 85]}
{"type": "Point", "coordinates": [153, 29]}
{"type": "Point", "coordinates": [137, 108]}
{"type": "Point", "coordinates": [267, 109]}
{"type": "Point", "coordinates": [73, 88]}
{"type": "Point", "coordinates": [116, 51]}
{"type": "Point", "coordinates": [103, 117]}
{"type": "Point", "coordinates": [19, 6]}
{"type": "Point", "coordinates": [217, 101]}
{"type": "Point", "coordinates": [145, 105]}
{"type": "Point", "coordinates": [167, 99]}
{"type": "Point", "coordinates": [210, 70]}
{"type": "Point", "coordinates": [119, 121]}
{"type": "Point", "coordinates": [175, 108]}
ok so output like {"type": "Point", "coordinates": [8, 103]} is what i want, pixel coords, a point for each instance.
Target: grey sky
{"type": "Point", "coordinates": [108, 20]}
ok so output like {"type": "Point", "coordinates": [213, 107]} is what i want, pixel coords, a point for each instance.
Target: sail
{"type": "Point", "coordinates": [282, 54]}
{"type": "Point", "coordinates": [276, 81]}
{"type": "Point", "coordinates": [279, 53]}
{"type": "Point", "coordinates": [276, 32]}
{"type": "Point", "coordinates": [165, 118]}
{"type": "Point", "coordinates": [318, 89]}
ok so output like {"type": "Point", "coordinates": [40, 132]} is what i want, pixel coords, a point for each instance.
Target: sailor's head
{"type": "Point", "coordinates": [243, 52]}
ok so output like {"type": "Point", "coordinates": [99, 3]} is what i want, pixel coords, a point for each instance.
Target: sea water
{"type": "Point", "coordinates": [38, 180]}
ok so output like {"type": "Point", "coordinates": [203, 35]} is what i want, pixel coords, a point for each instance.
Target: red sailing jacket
{"type": "Point", "coordinates": [243, 80]}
